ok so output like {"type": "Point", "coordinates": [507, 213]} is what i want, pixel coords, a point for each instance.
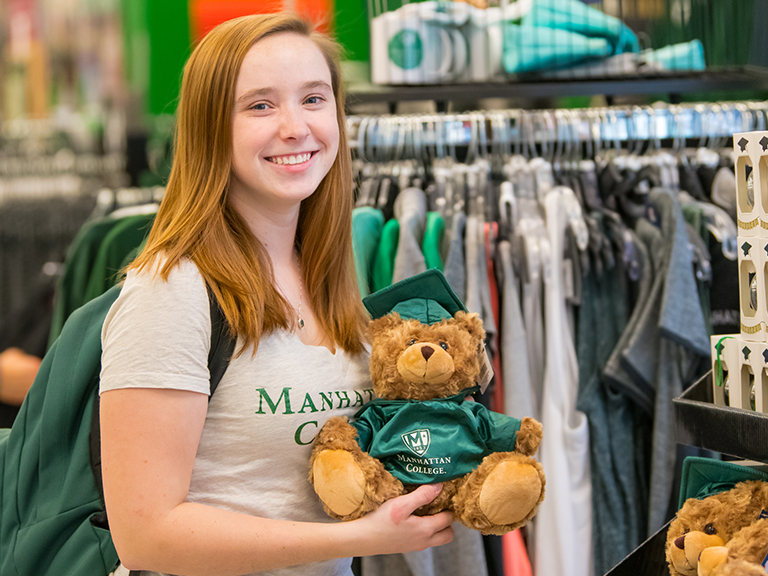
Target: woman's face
{"type": "Point", "coordinates": [285, 134]}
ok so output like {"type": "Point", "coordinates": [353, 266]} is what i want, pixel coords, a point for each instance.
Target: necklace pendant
{"type": "Point", "coordinates": [301, 323]}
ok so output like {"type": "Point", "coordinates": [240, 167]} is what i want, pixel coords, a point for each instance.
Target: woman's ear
{"type": "Point", "coordinates": [471, 323]}
{"type": "Point", "coordinates": [383, 323]}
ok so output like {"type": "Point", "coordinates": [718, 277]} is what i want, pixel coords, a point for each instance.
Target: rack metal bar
{"type": "Point", "coordinates": [705, 122]}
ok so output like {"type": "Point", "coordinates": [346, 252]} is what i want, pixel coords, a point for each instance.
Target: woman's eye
{"type": "Point", "coordinates": [443, 345]}
{"type": "Point", "coordinates": [259, 106]}
{"type": "Point", "coordinates": [710, 529]}
{"type": "Point", "coordinates": [313, 100]}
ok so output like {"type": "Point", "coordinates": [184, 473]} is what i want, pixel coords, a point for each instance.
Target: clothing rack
{"type": "Point", "coordinates": [66, 155]}
{"type": "Point", "coordinates": [592, 243]}
{"type": "Point", "coordinates": [55, 175]}
{"type": "Point", "coordinates": [397, 137]}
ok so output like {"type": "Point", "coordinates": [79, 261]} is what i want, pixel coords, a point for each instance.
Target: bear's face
{"type": "Point", "coordinates": [712, 522]}
{"type": "Point", "coordinates": [698, 525]}
{"type": "Point", "coordinates": [415, 361]}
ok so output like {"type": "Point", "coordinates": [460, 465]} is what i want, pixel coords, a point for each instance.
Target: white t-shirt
{"type": "Point", "coordinates": [255, 446]}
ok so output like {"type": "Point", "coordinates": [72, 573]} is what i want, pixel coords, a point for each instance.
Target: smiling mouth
{"type": "Point", "coordinates": [291, 160]}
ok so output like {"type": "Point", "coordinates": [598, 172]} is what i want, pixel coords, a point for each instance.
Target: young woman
{"type": "Point", "coordinates": [258, 208]}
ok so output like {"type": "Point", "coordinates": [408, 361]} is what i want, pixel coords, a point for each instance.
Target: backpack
{"type": "Point", "coordinates": [53, 520]}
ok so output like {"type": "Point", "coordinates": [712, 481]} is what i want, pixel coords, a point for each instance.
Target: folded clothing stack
{"type": "Point", "coordinates": [441, 41]}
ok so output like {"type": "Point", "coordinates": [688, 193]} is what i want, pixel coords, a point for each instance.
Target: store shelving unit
{"type": "Point", "coordinates": [699, 422]}
{"type": "Point", "coordinates": [675, 85]}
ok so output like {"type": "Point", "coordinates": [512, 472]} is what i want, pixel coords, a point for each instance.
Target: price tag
{"type": "Point", "coordinates": [486, 370]}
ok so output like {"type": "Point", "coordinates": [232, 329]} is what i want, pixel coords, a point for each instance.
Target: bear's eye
{"type": "Point", "coordinates": [443, 345]}
{"type": "Point", "coordinates": [710, 529]}
{"type": "Point", "coordinates": [411, 342]}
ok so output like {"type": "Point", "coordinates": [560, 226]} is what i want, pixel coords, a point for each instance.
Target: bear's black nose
{"type": "Point", "coordinates": [427, 351]}
{"type": "Point", "coordinates": [680, 542]}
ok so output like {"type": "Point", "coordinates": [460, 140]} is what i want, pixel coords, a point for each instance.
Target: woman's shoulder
{"type": "Point", "coordinates": [157, 333]}
{"type": "Point", "coordinates": [183, 273]}
{"type": "Point", "coordinates": [182, 293]}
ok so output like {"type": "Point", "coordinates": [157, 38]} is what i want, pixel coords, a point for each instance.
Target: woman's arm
{"type": "Point", "coordinates": [149, 440]}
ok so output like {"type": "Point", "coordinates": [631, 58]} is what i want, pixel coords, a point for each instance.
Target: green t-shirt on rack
{"type": "Point", "coordinates": [71, 288]}
{"type": "Point", "coordinates": [367, 224]}
{"type": "Point", "coordinates": [433, 238]}
{"type": "Point", "coordinates": [126, 234]}
{"type": "Point", "coordinates": [384, 260]}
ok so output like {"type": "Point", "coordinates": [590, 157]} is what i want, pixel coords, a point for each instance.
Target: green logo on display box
{"type": "Point", "coordinates": [406, 49]}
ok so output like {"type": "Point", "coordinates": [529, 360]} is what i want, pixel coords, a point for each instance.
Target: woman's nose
{"type": "Point", "coordinates": [293, 125]}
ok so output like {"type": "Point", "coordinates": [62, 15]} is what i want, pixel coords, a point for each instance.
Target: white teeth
{"type": "Point", "coordinates": [300, 159]}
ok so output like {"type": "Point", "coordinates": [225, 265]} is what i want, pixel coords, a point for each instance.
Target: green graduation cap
{"type": "Point", "coordinates": [425, 297]}
{"type": "Point", "coordinates": [702, 477]}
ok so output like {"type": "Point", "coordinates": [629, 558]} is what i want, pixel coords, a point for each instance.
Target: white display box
{"type": "Point", "coordinates": [751, 156]}
{"type": "Point", "coordinates": [725, 350]}
{"type": "Point", "coordinates": [753, 377]}
{"type": "Point", "coordinates": [753, 299]}
{"type": "Point", "coordinates": [744, 373]}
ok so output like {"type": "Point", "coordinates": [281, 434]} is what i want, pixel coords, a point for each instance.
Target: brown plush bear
{"type": "Point", "coordinates": [422, 428]}
{"type": "Point", "coordinates": [720, 534]}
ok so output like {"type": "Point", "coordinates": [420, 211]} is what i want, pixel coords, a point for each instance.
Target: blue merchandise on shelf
{"type": "Point", "coordinates": [575, 16]}
{"type": "Point", "coordinates": [534, 48]}
{"type": "Point", "coordinates": [685, 56]}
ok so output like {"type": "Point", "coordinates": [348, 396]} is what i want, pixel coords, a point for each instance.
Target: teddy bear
{"type": "Point", "coordinates": [715, 536]}
{"type": "Point", "coordinates": [423, 427]}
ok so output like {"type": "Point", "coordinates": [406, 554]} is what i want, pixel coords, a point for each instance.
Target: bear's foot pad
{"type": "Point", "coordinates": [511, 491]}
{"type": "Point", "coordinates": [339, 481]}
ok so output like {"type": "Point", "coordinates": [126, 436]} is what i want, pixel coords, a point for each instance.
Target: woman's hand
{"type": "Point", "coordinates": [394, 529]}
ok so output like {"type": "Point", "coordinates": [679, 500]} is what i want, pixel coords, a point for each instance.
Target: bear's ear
{"type": "Point", "coordinates": [384, 323]}
{"type": "Point", "coordinates": [471, 323]}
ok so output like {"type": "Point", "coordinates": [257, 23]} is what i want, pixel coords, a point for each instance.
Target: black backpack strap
{"type": "Point", "coordinates": [222, 343]}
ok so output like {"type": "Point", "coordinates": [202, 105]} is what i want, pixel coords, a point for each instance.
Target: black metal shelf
{"type": "Point", "coordinates": [743, 78]}
{"type": "Point", "coordinates": [699, 422]}
{"type": "Point", "coordinates": [648, 559]}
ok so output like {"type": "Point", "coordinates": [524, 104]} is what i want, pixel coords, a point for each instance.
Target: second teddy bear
{"type": "Point", "coordinates": [723, 534]}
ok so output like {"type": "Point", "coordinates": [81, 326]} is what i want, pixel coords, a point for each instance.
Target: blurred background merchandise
{"type": "Point", "coordinates": [95, 58]}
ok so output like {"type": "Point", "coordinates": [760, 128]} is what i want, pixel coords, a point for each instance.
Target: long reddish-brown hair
{"type": "Point", "coordinates": [196, 220]}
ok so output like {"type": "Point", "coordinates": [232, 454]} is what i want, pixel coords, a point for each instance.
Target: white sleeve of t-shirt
{"type": "Point", "coordinates": [158, 334]}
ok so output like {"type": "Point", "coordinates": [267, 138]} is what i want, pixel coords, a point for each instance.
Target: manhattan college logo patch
{"type": "Point", "coordinates": [417, 441]}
